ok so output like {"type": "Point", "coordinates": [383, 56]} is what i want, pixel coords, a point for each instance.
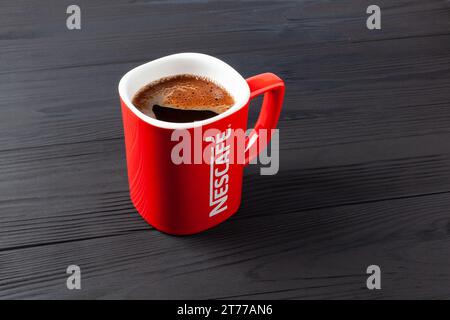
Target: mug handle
{"type": "Point", "coordinates": [273, 88]}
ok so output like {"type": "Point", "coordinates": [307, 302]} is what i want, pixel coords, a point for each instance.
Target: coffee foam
{"type": "Point", "coordinates": [183, 92]}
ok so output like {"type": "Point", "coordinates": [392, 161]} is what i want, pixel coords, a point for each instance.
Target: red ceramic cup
{"type": "Point", "coordinates": [186, 198]}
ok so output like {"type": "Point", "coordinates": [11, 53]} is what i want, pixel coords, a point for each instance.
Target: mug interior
{"type": "Point", "coordinates": [185, 63]}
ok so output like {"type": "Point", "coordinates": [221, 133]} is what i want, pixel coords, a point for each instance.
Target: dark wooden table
{"type": "Point", "coordinates": [364, 144]}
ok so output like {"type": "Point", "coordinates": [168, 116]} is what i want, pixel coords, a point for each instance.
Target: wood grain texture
{"type": "Point", "coordinates": [319, 253]}
{"type": "Point", "coordinates": [364, 152]}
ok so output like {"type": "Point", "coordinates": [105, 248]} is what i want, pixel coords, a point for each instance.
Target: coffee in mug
{"type": "Point", "coordinates": [182, 98]}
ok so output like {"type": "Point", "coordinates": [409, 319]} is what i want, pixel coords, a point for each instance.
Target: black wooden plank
{"type": "Point", "coordinates": [319, 253]}
{"type": "Point", "coordinates": [121, 31]}
{"type": "Point", "coordinates": [78, 191]}
{"type": "Point", "coordinates": [341, 99]}
{"type": "Point", "coordinates": [326, 81]}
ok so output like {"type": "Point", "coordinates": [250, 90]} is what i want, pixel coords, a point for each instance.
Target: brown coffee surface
{"type": "Point", "coordinates": [189, 98]}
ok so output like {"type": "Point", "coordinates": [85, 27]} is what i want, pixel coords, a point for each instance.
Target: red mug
{"type": "Point", "coordinates": [187, 198]}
